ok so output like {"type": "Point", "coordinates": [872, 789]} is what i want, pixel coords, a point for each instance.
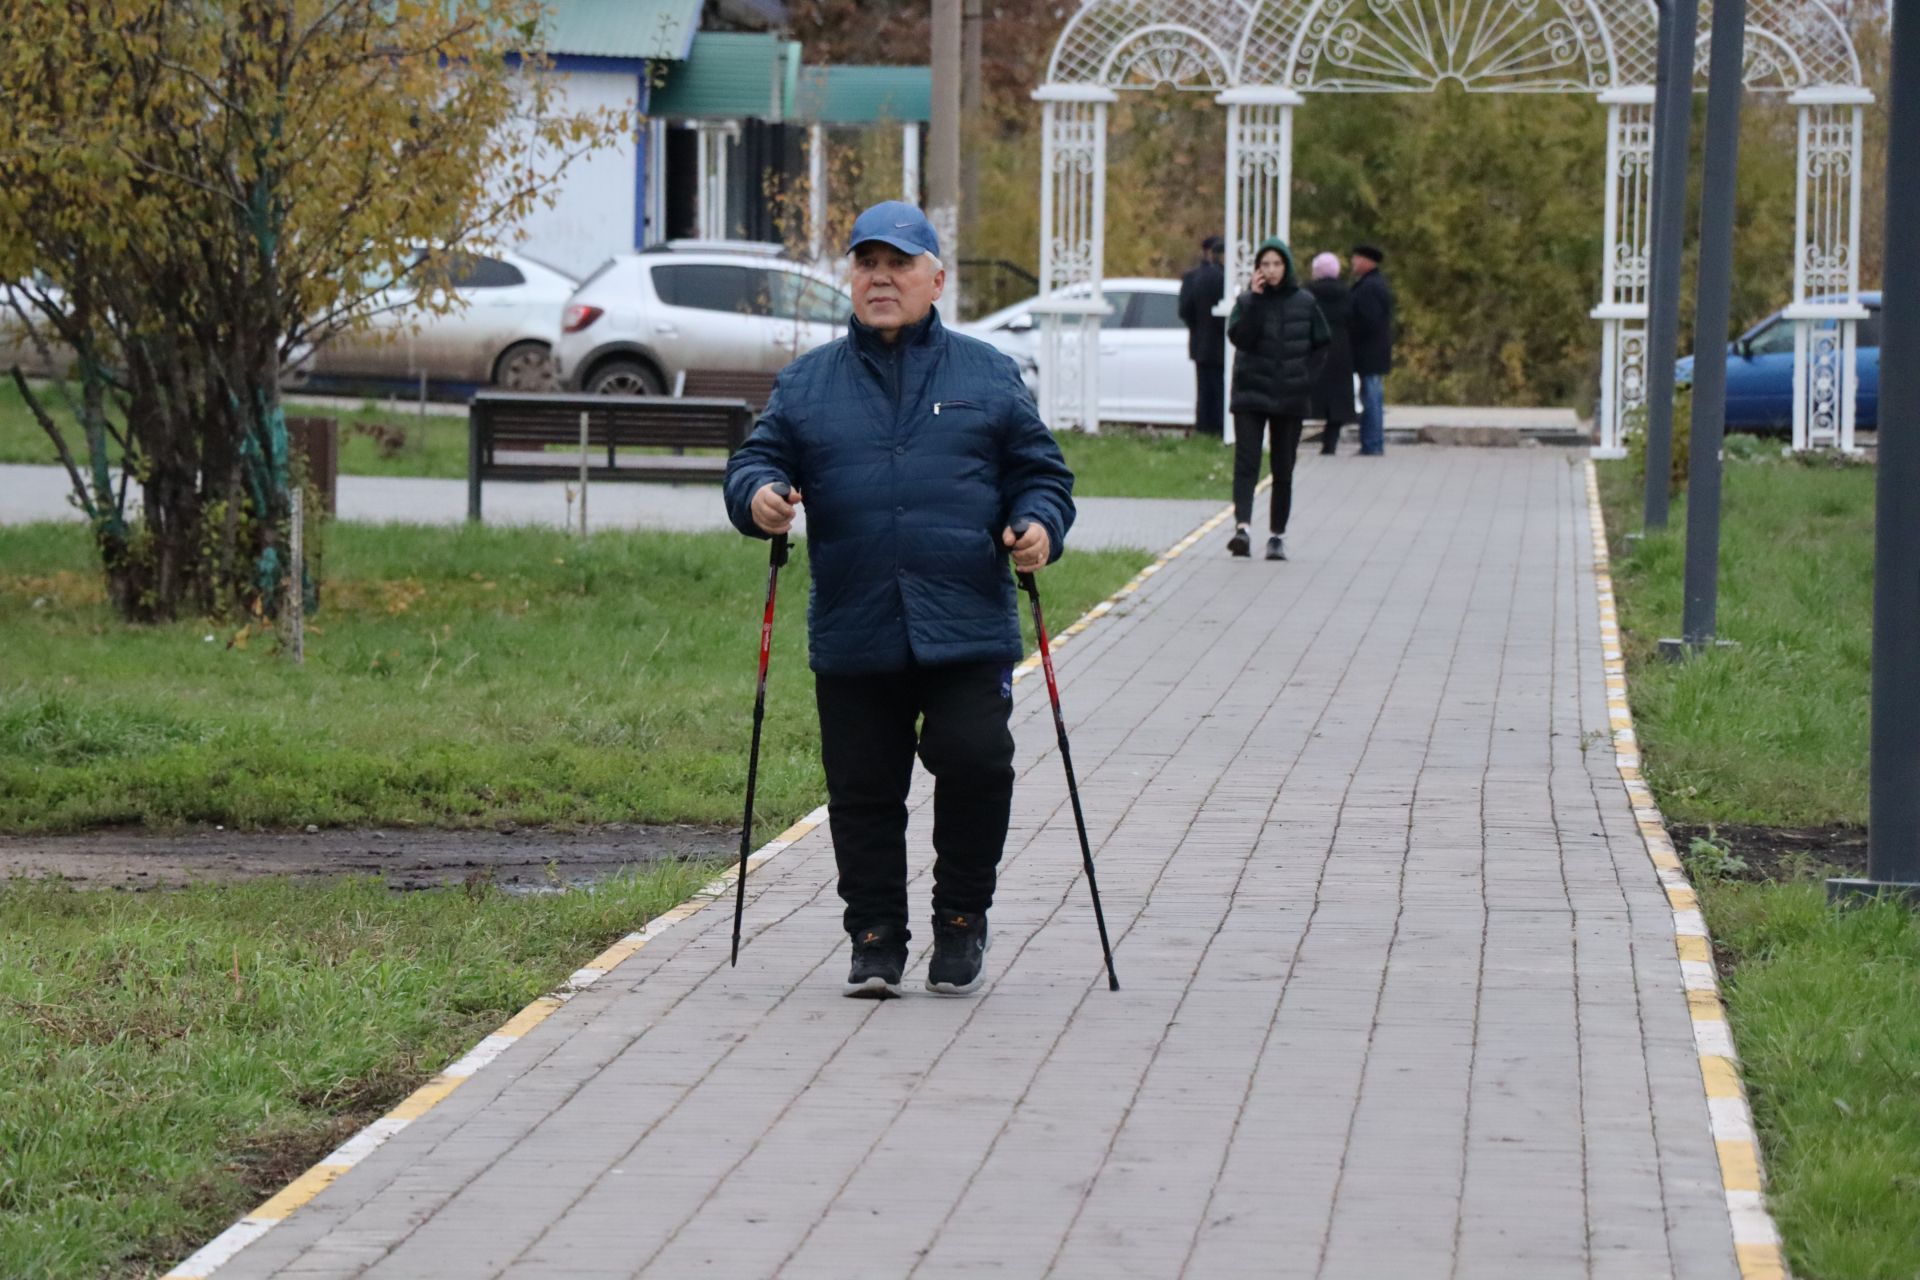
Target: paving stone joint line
{"type": "Point", "coordinates": [222, 1249]}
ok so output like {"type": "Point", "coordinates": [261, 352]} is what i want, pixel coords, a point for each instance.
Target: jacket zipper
{"type": "Point", "coordinates": [952, 404]}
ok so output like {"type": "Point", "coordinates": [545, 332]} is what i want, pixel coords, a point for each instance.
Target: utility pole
{"type": "Point", "coordinates": [943, 161]}
{"type": "Point", "coordinates": [971, 101]}
{"type": "Point", "coordinates": [1893, 821]}
{"type": "Point", "coordinates": [1672, 133]}
{"type": "Point", "coordinates": [1714, 299]}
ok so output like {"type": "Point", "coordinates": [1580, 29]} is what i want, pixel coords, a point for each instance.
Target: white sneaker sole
{"type": "Point", "coordinates": [874, 988]}
{"type": "Point", "coordinates": [955, 989]}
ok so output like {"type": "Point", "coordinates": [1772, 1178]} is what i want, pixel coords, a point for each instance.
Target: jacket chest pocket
{"type": "Point", "coordinates": [956, 406]}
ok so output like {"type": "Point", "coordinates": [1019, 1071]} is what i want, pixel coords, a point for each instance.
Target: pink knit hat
{"type": "Point", "coordinates": [1326, 267]}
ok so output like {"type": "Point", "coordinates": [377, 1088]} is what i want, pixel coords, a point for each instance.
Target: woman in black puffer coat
{"type": "Point", "coordinates": [1276, 330]}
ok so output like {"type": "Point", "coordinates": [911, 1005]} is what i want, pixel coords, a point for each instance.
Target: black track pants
{"type": "Point", "coordinates": [956, 717]}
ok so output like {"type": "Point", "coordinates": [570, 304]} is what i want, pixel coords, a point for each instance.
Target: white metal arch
{"type": "Point", "coordinates": [1413, 46]}
{"type": "Point", "coordinates": [1085, 53]}
{"type": "Point", "coordinates": [1165, 53]}
{"type": "Point", "coordinates": [1264, 58]}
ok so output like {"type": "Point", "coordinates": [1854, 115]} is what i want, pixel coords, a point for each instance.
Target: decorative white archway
{"type": "Point", "coordinates": [1262, 59]}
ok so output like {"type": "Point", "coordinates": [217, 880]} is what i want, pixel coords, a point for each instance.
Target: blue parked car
{"type": "Point", "coordinates": [1760, 372]}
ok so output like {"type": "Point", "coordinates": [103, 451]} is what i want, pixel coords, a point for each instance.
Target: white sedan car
{"type": "Point", "coordinates": [1145, 375]}
{"type": "Point", "coordinates": [502, 335]}
{"type": "Point", "coordinates": [644, 319]}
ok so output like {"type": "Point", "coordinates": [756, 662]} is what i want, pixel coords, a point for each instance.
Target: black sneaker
{"type": "Point", "coordinates": [958, 966]}
{"type": "Point", "coordinates": [1240, 544]}
{"type": "Point", "coordinates": [879, 958]}
{"type": "Point", "coordinates": [1277, 547]}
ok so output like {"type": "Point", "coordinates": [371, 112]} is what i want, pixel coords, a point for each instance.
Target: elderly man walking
{"type": "Point", "coordinates": [917, 452]}
{"type": "Point", "coordinates": [1372, 328]}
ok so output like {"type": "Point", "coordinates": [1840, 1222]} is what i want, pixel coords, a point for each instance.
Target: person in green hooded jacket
{"type": "Point", "coordinates": [1278, 336]}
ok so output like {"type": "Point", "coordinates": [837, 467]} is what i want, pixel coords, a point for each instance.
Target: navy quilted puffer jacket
{"type": "Point", "coordinates": [910, 459]}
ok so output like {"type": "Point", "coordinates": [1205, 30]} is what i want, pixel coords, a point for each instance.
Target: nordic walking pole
{"type": "Point", "coordinates": [776, 557]}
{"type": "Point", "coordinates": [1032, 589]}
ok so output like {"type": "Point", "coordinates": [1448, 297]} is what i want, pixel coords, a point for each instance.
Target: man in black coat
{"type": "Point", "coordinates": [1200, 291]}
{"type": "Point", "coordinates": [1372, 344]}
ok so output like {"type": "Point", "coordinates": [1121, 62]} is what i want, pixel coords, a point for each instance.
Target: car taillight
{"type": "Point", "coordinates": [579, 318]}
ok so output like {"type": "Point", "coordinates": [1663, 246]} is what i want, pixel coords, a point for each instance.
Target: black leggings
{"type": "Point", "coordinates": [1246, 465]}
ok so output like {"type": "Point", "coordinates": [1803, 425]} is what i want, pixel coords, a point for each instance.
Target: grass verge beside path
{"type": "Point", "coordinates": [171, 1059]}
{"type": "Point", "coordinates": [1122, 462]}
{"type": "Point", "coordinates": [1824, 1004]}
{"type": "Point", "coordinates": [455, 677]}
{"type": "Point", "coordinates": [374, 441]}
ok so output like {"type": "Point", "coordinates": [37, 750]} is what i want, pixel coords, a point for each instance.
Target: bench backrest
{"type": "Point", "coordinates": [729, 384]}
{"type": "Point", "coordinates": [612, 421]}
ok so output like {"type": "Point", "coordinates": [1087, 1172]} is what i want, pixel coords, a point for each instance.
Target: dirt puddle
{"type": "Point", "coordinates": [528, 861]}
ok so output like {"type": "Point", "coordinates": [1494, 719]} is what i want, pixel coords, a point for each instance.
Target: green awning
{"type": "Point", "coordinates": [621, 28]}
{"type": "Point", "coordinates": [864, 95]}
{"type": "Point", "coordinates": [729, 75]}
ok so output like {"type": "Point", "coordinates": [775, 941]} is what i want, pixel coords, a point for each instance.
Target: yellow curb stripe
{"type": "Point", "coordinates": [1742, 1174]}
{"type": "Point", "coordinates": [426, 1097]}
{"type": "Point", "coordinates": [1705, 1007]}
{"type": "Point", "coordinates": [1761, 1261]}
{"type": "Point", "coordinates": [1739, 1166]}
{"type": "Point", "coordinates": [530, 1017]}
{"type": "Point", "coordinates": [299, 1191]}
{"type": "Point", "coordinates": [433, 1092]}
{"type": "Point", "coordinates": [1722, 1077]}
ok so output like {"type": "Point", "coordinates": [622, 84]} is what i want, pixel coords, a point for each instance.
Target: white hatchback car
{"type": "Point", "coordinates": [1145, 375]}
{"type": "Point", "coordinates": [502, 336]}
{"type": "Point", "coordinates": [645, 318]}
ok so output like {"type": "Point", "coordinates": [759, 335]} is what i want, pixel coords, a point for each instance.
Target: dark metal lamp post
{"type": "Point", "coordinates": [1672, 130]}
{"type": "Point", "coordinates": [1893, 824]}
{"type": "Point", "coordinates": [1714, 300]}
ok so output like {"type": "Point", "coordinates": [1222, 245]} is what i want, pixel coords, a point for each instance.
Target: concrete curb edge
{"type": "Point", "coordinates": [1756, 1238]}
{"type": "Point", "coordinates": [222, 1249]}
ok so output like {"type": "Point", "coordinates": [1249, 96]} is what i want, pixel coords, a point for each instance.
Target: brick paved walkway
{"type": "Point", "coordinates": [1400, 991]}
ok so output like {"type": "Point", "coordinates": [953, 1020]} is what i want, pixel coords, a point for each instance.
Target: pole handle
{"type": "Point", "coordinates": [777, 556]}
{"type": "Point", "coordinates": [1025, 580]}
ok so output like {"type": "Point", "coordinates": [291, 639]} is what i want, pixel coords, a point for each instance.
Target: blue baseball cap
{"type": "Point", "coordinates": [897, 223]}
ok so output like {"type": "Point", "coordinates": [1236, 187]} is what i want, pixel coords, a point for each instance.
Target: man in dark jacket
{"type": "Point", "coordinates": [1333, 384]}
{"type": "Point", "coordinates": [1200, 292]}
{"type": "Point", "coordinates": [918, 452]}
{"type": "Point", "coordinates": [1372, 344]}
{"type": "Point", "coordinates": [1277, 331]}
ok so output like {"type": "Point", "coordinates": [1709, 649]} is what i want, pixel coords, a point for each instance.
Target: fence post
{"type": "Point", "coordinates": [584, 417]}
{"type": "Point", "coordinates": [297, 579]}
{"type": "Point", "coordinates": [475, 417]}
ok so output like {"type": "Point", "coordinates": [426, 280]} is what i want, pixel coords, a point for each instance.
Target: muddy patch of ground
{"type": "Point", "coordinates": [1783, 853]}
{"type": "Point", "coordinates": [524, 860]}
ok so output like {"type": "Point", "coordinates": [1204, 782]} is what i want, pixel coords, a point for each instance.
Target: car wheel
{"type": "Point", "coordinates": [525, 366]}
{"type": "Point", "coordinates": [624, 378]}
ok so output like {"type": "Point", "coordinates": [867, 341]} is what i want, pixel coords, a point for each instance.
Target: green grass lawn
{"type": "Point", "coordinates": [1774, 731]}
{"type": "Point", "coordinates": [454, 676]}
{"type": "Point", "coordinates": [1122, 462]}
{"type": "Point", "coordinates": [374, 441]}
{"type": "Point", "coordinates": [171, 1059]}
{"type": "Point", "coordinates": [1825, 1004]}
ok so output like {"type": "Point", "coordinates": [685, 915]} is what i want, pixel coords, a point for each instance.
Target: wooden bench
{"type": "Point", "coordinates": [726, 384]}
{"type": "Point", "coordinates": [509, 434]}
